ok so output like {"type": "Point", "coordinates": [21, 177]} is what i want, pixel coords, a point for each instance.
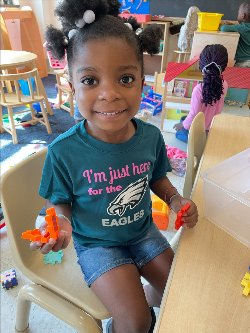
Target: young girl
{"type": "Point", "coordinates": [208, 96]}
{"type": "Point", "coordinates": [99, 174]}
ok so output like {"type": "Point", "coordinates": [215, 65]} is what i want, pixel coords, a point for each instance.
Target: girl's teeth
{"type": "Point", "coordinates": [110, 113]}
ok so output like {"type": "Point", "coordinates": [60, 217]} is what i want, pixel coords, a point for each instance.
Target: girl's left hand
{"type": "Point", "coordinates": [178, 126]}
{"type": "Point", "coordinates": [190, 218]}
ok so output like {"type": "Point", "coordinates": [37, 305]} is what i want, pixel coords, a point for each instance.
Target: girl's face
{"type": "Point", "coordinates": [107, 81]}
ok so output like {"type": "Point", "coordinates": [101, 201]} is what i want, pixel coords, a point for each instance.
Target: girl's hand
{"type": "Point", "coordinates": [178, 126]}
{"type": "Point", "coordinates": [190, 218]}
{"type": "Point", "coordinates": [54, 244]}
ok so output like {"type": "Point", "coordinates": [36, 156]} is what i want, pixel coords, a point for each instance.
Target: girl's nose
{"type": "Point", "coordinates": [109, 92]}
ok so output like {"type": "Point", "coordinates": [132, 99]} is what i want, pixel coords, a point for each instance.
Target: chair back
{"type": "Point", "coordinates": [21, 205]}
{"type": "Point", "coordinates": [26, 88]}
{"type": "Point", "coordinates": [196, 144]}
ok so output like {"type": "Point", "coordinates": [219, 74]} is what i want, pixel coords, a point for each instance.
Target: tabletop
{"type": "Point", "coordinates": [10, 58]}
{"type": "Point", "coordinates": [204, 292]}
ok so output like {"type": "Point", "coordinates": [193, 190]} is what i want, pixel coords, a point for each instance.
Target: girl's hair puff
{"type": "Point", "coordinates": [213, 61]}
{"type": "Point", "coordinates": [107, 24]}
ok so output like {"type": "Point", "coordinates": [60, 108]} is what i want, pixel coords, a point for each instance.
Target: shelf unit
{"type": "Point", "coordinates": [158, 63]}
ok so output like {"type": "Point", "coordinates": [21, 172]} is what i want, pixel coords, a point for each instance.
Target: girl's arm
{"type": "Point", "coordinates": [64, 220]}
{"type": "Point", "coordinates": [195, 106]}
{"type": "Point", "coordinates": [164, 189]}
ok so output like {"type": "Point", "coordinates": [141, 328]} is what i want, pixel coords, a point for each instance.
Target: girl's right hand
{"type": "Point", "coordinates": [55, 245]}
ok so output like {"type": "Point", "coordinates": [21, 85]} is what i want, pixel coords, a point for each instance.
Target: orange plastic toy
{"type": "Point", "coordinates": [178, 221]}
{"type": "Point", "coordinates": [52, 229]}
{"type": "Point", "coordinates": [160, 212]}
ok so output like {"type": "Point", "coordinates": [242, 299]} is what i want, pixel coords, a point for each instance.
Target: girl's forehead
{"type": "Point", "coordinates": [108, 55]}
{"type": "Point", "coordinates": [114, 49]}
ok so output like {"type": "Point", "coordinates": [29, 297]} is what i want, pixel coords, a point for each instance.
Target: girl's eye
{"type": "Point", "coordinates": [88, 81]}
{"type": "Point", "coordinates": [127, 79]}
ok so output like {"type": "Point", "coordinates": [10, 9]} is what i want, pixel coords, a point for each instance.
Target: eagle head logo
{"type": "Point", "coordinates": [130, 197]}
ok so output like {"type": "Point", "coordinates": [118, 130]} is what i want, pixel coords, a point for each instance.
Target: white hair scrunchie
{"type": "Point", "coordinates": [138, 31]}
{"type": "Point", "coordinates": [71, 33]}
{"type": "Point", "coordinates": [88, 17]}
{"type": "Point", "coordinates": [128, 25]}
{"type": "Point", "coordinates": [204, 69]}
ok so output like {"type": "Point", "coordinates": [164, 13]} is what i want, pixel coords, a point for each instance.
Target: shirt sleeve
{"type": "Point", "coordinates": [195, 107]}
{"type": "Point", "coordinates": [230, 28]}
{"type": "Point", "coordinates": [161, 165]}
{"type": "Point", "coordinates": [55, 184]}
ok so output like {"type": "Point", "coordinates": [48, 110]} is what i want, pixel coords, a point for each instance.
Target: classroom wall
{"type": "Point", "coordinates": [179, 8]}
{"type": "Point", "coordinates": [44, 12]}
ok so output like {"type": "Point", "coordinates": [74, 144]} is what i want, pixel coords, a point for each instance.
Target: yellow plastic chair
{"type": "Point", "coordinates": [196, 143]}
{"type": "Point", "coordinates": [16, 98]}
{"type": "Point", "coordinates": [59, 289]}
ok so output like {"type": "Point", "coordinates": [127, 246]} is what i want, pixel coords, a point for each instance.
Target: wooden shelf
{"type": "Point", "coordinates": [158, 62]}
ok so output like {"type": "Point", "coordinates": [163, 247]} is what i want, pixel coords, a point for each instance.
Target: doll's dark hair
{"type": "Point", "coordinates": [213, 61]}
{"type": "Point", "coordinates": [107, 24]}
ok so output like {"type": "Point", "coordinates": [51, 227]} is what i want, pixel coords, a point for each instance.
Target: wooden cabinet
{"type": "Point", "coordinates": [20, 32]}
{"type": "Point", "coordinates": [228, 39]}
{"type": "Point", "coordinates": [157, 63]}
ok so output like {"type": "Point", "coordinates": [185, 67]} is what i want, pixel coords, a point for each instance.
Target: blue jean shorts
{"type": "Point", "coordinates": [95, 261]}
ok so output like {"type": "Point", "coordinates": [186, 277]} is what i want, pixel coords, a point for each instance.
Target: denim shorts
{"type": "Point", "coordinates": [95, 261]}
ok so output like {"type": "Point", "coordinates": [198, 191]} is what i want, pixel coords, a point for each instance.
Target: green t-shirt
{"type": "Point", "coordinates": [243, 48]}
{"type": "Point", "coordinates": [108, 185]}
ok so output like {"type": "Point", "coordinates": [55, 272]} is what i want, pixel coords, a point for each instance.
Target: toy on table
{"type": "Point", "coordinates": [8, 279]}
{"type": "Point", "coordinates": [246, 284]}
{"type": "Point", "coordinates": [160, 212]}
{"type": "Point", "coordinates": [178, 221]}
{"type": "Point", "coordinates": [52, 229]}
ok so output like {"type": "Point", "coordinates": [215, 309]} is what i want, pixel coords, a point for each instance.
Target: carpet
{"type": "Point", "coordinates": [34, 138]}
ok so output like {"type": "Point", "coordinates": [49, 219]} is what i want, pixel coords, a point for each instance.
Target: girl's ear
{"type": "Point", "coordinates": [72, 88]}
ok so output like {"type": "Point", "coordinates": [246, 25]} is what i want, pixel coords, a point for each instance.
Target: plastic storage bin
{"type": "Point", "coordinates": [54, 63]}
{"type": "Point", "coordinates": [227, 196]}
{"type": "Point", "coordinates": [146, 111]}
{"type": "Point", "coordinates": [208, 21]}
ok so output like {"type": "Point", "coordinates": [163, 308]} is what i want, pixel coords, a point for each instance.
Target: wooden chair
{"type": "Point", "coordinates": [61, 290]}
{"type": "Point", "coordinates": [196, 143]}
{"type": "Point", "coordinates": [59, 68]}
{"type": "Point", "coordinates": [16, 98]}
{"type": "Point", "coordinates": [64, 89]}
{"type": "Point", "coordinates": [182, 56]}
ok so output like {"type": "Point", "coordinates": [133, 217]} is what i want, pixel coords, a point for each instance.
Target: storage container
{"type": "Point", "coordinates": [227, 196]}
{"type": "Point", "coordinates": [208, 21]}
{"type": "Point", "coordinates": [146, 111]}
{"type": "Point", "coordinates": [54, 63]}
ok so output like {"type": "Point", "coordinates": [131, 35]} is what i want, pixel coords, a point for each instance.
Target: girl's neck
{"type": "Point", "coordinates": [123, 135]}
